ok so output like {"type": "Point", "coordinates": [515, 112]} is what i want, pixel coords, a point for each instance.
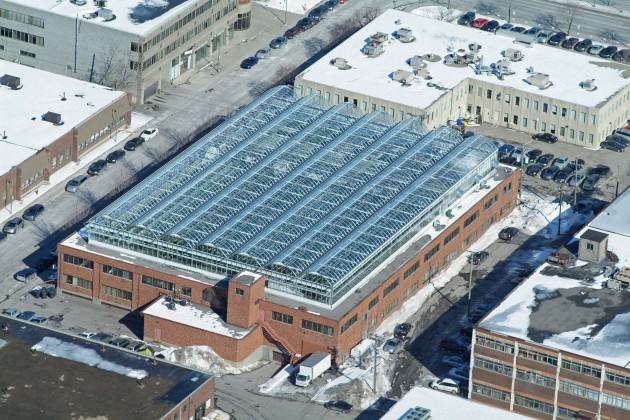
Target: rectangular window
{"type": "Point", "coordinates": [616, 401]}
{"type": "Point", "coordinates": [117, 293]}
{"type": "Point", "coordinates": [581, 135]}
{"type": "Point", "coordinates": [71, 259]}
{"type": "Point", "coordinates": [162, 284]}
{"type": "Point", "coordinates": [563, 112]}
{"type": "Point", "coordinates": [411, 270]}
{"type": "Point", "coordinates": [280, 317]}
{"type": "Point", "coordinates": [517, 100]}
{"type": "Point", "coordinates": [431, 253]}
{"type": "Point", "coordinates": [489, 94]}
{"type": "Point", "coordinates": [543, 126]}
{"type": "Point", "coordinates": [583, 117]}
{"type": "Point", "coordinates": [617, 378]}
{"type": "Point", "coordinates": [506, 117]}
{"type": "Point", "coordinates": [526, 103]}
{"type": "Point", "coordinates": [429, 273]}
{"type": "Point", "coordinates": [581, 368]}
{"type": "Point", "coordinates": [515, 119]}
{"type": "Point", "coordinates": [490, 203]}
{"type": "Point", "coordinates": [469, 239]}
{"type": "Point", "coordinates": [552, 128]}
{"type": "Point", "coordinates": [21, 17]}
{"type": "Point", "coordinates": [581, 391]}
{"type": "Point", "coordinates": [524, 122]}
{"type": "Point", "coordinates": [373, 303]}
{"type": "Point", "coordinates": [571, 133]}
{"type": "Point", "coordinates": [535, 105]}
{"type": "Point", "coordinates": [240, 291]}
{"type": "Point", "coordinates": [573, 115]}
{"type": "Point", "coordinates": [346, 325]}
{"type": "Point", "coordinates": [495, 344]}
{"type": "Point", "coordinates": [479, 91]}
{"type": "Point", "coordinates": [471, 88]}
{"type": "Point", "coordinates": [508, 98]}
{"type": "Point", "coordinates": [562, 131]}
{"type": "Point", "coordinates": [532, 404]}
{"type": "Point", "coordinates": [545, 107]}
{"type": "Point", "coordinates": [317, 327]}
{"type": "Point", "coordinates": [470, 219]}
{"type": "Point", "coordinates": [186, 291]}
{"type": "Point", "coordinates": [451, 236]}
{"type": "Point", "coordinates": [492, 366]}
{"type": "Point", "coordinates": [391, 287]}
{"type": "Point", "coordinates": [118, 272]}
{"type": "Point", "coordinates": [78, 282]}
{"type": "Point", "coordinates": [593, 119]}
{"type": "Point", "coordinates": [27, 54]}
{"type": "Point", "coordinates": [590, 139]}
{"type": "Point", "coordinates": [490, 392]}
{"type": "Point", "coordinates": [535, 378]}
{"type": "Point", "coordinates": [537, 356]}
{"type": "Point", "coordinates": [554, 109]}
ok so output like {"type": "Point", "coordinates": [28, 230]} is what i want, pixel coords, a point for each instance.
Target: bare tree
{"type": "Point", "coordinates": [113, 69]}
{"type": "Point", "coordinates": [366, 15]}
{"type": "Point", "coordinates": [548, 20]}
{"type": "Point", "coordinates": [313, 45]}
{"type": "Point", "coordinates": [342, 29]}
{"type": "Point", "coordinates": [569, 15]}
{"type": "Point", "coordinates": [486, 8]}
{"type": "Point", "coordinates": [610, 35]}
{"type": "Point", "coordinates": [445, 14]}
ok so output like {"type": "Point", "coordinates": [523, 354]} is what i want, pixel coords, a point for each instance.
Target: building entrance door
{"type": "Point", "coordinates": [174, 68]}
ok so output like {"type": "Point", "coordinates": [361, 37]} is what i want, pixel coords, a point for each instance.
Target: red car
{"type": "Point", "coordinates": [292, 32]}
{"type": "Point", "coordinates": [479, 22]}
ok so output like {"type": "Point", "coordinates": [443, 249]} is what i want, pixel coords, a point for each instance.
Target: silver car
{"type": "Point", "coordinates": [13, 225]}
{"type": "Point", "coordinates": [74, 184]}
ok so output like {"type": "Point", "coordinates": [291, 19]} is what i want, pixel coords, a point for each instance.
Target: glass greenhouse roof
{"type": "Point", "coordinates": [294, 189]}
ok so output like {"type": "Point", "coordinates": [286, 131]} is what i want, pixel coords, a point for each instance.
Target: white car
{"type": "Point", "coordinates": [446, 385]}
{"type": "Point", "coordinates": [88, 334]}
{"type": "Point", "coordinates": [149, 133]}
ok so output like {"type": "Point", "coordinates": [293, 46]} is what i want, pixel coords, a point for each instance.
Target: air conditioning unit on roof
{"type": "Point", "coordinates": [12, 82]}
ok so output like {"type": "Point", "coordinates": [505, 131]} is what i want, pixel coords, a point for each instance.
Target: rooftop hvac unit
{"type": "Point", "coordinates": [474, 47]}
{"type": "Point", "coordinates": [52, 117]}
{"type": "Point", "coordinates": [588, 85]}
{"type": "Point", "coordinates": [540, 80]}
{"type": "Point", "coordinates": [106, 14]}
{"type": "Point", "coordinates": [79, 2]}
{"type": "Point", "coordinates": [404, 77]}
{"type": "Point", "coordinates": [100, 3]}
{"type": "Point", "coordinates": [416, 62]}
{"type": "Point", "coordinates": [379, 37]}
{"type": "Point", "coordinates": [340, 63]}
{"type": "Point", "coordinates": [513, 54]}
{"type": "Point", "coordinates": [405, 35]}
{"type": "Point", "coordinates": [12, 82]}
{"type": "Point", "coordinates": [424, 73]}
{"type": "Point", "coordinates": [373, 49]}
{"type": "Point", "coordinates": [504, 67]}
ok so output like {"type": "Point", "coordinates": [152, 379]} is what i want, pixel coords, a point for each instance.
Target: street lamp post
{"type": "Point", "coordinates": [470, 276]}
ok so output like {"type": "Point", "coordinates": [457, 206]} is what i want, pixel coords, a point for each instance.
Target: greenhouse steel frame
{"type": "Point", "coordinates": [311, 196]}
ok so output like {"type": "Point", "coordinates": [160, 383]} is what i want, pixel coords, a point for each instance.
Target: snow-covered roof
{"type": "Point", "coordinates": [445, 406]}
{"type": "Point", "coordinates": [371, 76]}
{"type": "Point", "coordinates": [572, 310]}
{"type": "Point", "coordinates": [21, 120]}
{"type": "Point", "coordinates": [195, 316]}
{"type": "Point", "coordinates": [136, 16]}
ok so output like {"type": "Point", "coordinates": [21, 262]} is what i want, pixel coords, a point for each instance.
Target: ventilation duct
{"type": "Point", "coordinates": [588, 85]}
{"type": "Point", "coordinates": [405, 35]}
{"type": "Point", "coordinates": [340, 63]}
{"type": "Point", "coordinates": [540, 80]}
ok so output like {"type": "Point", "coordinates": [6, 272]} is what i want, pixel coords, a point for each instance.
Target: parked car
{"type": "Point", "coordinates": [613, 146]}
{"type": "Point", "coordinates": [550, 172]}
{"type": "Point", "coordinates": [491, 26]}
{"type": "Point", "coordinates": [622, 56]}
{"type": "Point", "coordinates": [12, 226]}
{"type": "Point", "coordinates": [557, 38]}
{"type": "Point", "coordinates": [595, 49]}
{"type": "Point", "coordinates": [520, 156]}
{"type": "Point", "coordinates": [562, 175]}
{"type": "Point", "coordinates": [25, 274]}
{"type": "Point", "coordinates": [305, 23]}
{"type": "Point", "coordinates": [518, 29]}
{"type": "Point", "coordinates": [534, 169]}
{"type": "Point", "coordinates": [623, 132]}
{"type": "Point", "coordinates": [263, 53]}
{"type": "Point", "coordinates": [103, 337]}
{"type": "Point", "coordinates": [454, 361]}
{"type": "Point", "coordinates": [560, 161]}
{"type": "Point", "coordinates": [119, 342]}
{"type": "Point", "coordinates": [506, 26]}
{"type": "Point", "coordinates": [590, 183]}
{"type": "Point", "coordinates": [583, 45]}
{"type": "Point", "coordinates": [506, 149]}
{"type": "Point", "coordinates": [545, 159]}
{"type": "Point", "coordinates": [392, 345]}
{"type": "Point", "coordinates": [455, 344]}
{"type": "Point", "coordinates": [546, 137]}
{"type": "Point", "coordinates": [39, 320]}
{"type": "Point", "coordinates": [478, 257]}
{"type": "Point", "coordinates": [148, 133]}
{"type": "Point", "coordinates": [76, 182]}
{"type": "Point", "coordinates": [249, 62]}
{"type": "Point", "coordinates": [338, 405]}
{"type": "Point", "coordinates": [619, 138]}
{"type": "Point", "coordinates": [575, 180]}
{"type": "Point", "coordinates": [96, 167]}
{"type": "Point", "coordinates": [542, 37]}
{"type": "Point", "coordinates": [292, 32]}
{"type": "Point", "coordinates": [467, 18]}
{"type": "Point", "coordinates": [26, 315]}
{"type": "Point", "coordinates": [318, 13]}
{"type": "Point", "coordinates": [446, 385]}
{"type": "Point", "coordinates": [115, 156]}
{"type": "Point", "coordinates": [10, 312]}
{"type": "Point", "coordinates": [479, 22]}
{"type": "Point", "coordinates": [508, 160]}
{"type": "Point", "coordinates": [569, 43]}
{"type": "Point", "coordinates": [534, 154]}
{"type": "Point", "coordinates": [608, 51]}
{"type": "Point", "coordinates": [88, 334]}
{"type": "Point", "coordinates": [133, 144]}
{"type": "Point", "coordinates": [331, 4]}
{"type": "Point", "coordinates": [534, 30]}
{"type": "Point", "coordinates": [33, 212]}
{"type": "Point", "coordinates": [402, 330]}
{"type": "Point", "coordinates": [599, 170]}
{"type": "Point", "coordinates": [508, 233]}
{"type": "Point", "coordinates": [278, 42]}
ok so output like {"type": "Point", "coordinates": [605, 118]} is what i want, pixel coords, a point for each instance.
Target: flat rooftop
{"type": "Point", "coordinates": [444, 406]}
{"type": "Point", "coordinates": [371, 76]}
{"type": "Point", "coordinates": [21, 121]}
{"type": "Point", "coordinates": [46, 374]}
{"type": "Point", "coordinates": [292, 188]}
{"type": "Point", "coordinates": [571, 309]}
{"type": "Point", "coordinates": [135, 16]}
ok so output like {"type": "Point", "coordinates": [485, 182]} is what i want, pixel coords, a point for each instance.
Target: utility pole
{"type": "Point", "coordinates": [470, 275]}
{"type": "Point", "coordinates": [617, 186]}
{"type": "Point", "coordinates": [560, 212]}
{"type": "Point", "coordinates": [576, 183]}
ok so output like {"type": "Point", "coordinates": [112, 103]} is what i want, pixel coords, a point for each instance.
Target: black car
{"type": "Point", "coordinates": [534, 154]}
{"type": "Point", "coordinates": [249, 62]}
{"type": "Point", "coordinates": [103, 338]}
{"type": "Point", "coordinates": [508, 160]}
{"type": "Point", "coordinates": [467, 18]}
{"type": "Point", "coordinates": [608, 51]}
{"type": "Point", "coordinates": [600, 170]}
{"type": "Point", "coordinates": [545, 159]}
{"type": "Point", "coordinates": [569, 43]}
{"type": "Point", "coordinates": [306, 23]}
{"type": "Point", "coordinates": [402, 330]}
{"type": "Point", "coordinates": [619, 138]}
{"type": "Point", "coordinates": [33, 212]}
{"type": "Point", "coordinates": [96, 167]}
{"type": "Point", "coordinates": [562, 175]}
{"type": "Point", "coordinates": [278, 42]}
{"type": "Point", "coordinates": [549, 173]}
{"type": "Point", "coordinates": [622, 56]}
{"type": "Point", "coordinates": [583, 45]}
{"type": "Point", "coordinates": [613, 146]}
{"type": "Point", "coordinates": [132, 144]}
{"type": "Point", "coordinates": [506, 26]}
{"type": "Point", "coordinates": [508, 233]}
{"type": "Point", "coordinates": [120, 342]}
{"type": "Point", "coordinates": [532, 31]}
{"type": "Point", "coordinates": [557, 38]}
{"type": "Point", "coordinates": [476, 258]}
{"type": "Point", "coordinates": [338, 405]}
{"type": "Point", "coordinates": [491, 26]}
{"type": "Point", "coordinates": [331, 4]}
{"type": "Point", "coordinates": [546, 137]}
{"type": "Point", "coordinates": [115, 156]}
{"type": "Point", "coordinates": [318, 12]}
{"type": "Point", "coordinates": [518, 29]}
{"type": "Point", "coordinates": [533, 170]}
{"type": "Point", "coordinates": [589, 183]}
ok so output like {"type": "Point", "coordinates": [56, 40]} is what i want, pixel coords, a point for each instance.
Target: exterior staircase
{"type": "Point", "coordinates": [283, 345]}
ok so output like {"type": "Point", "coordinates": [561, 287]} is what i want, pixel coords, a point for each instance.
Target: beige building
{"type": "Point", "coordinates": [451, 71]}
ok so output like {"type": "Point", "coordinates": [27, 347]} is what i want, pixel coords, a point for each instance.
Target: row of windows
{"type": "Point", "coordinates": [470, 219]}
{"type": "Point", "coordinates": [495, 344]}
{"type": "Point", "coordinates": [118, 272]}
{"type": "Point", "coordinates": [390, 308]}
{"type": "Point", "coordinates": [21, 17]}
{"type": "Point", "coordinates": [491, 366]}
{"type": "Point", "coordinates": [532, 404]}
{"type": "Point", "coordinates": [536, 378]}
{"type": "Point", "coordinates": [280, 317]}
{"type": "Point", "coordinates": [451, 235]}
{"type": "Point", "coordinates": [317, 327]}
{"type": "Point", "coordinates": [77, 281]}
{"type": "Point", "coordinates": [411, 270]}
{"type": "Point", "coordinates": [431, 252]}
{"type": "Point", "coordinates": [117, 293]}
{"type": "Point", "coordinates": [490, 392]}
{"type": "Point", "coordinates": [582, 368]}
{"type": "Point", "coordinates": [430, 273]}
{"type": "Point", "coordinates": [21, 36]}
{"type": "Point", "coordinates": [162, 284]}
{"type": "Point", "coordinates": [349, 323]}
{"type": "Point", "coordinates": [580, 391]}
{"type": "Point", "coordinates": [490, 202]}
{"type": "Point", "coordinates": [373, 303]}
{"type": "Point", "coordinates": [116, 122]}
{"type": "Point", "coordinates": [391, 287]}
{"type": "Point", "coordinates": [537, 356]}
{"type": "Point", "coordinates": [71, 259]}
{"type": "Point", "coordinates": [616, 401]}
{"type": "Point", "coordinates": [32, 180]}
{"type": "Point", "coordinates": [618, 378]}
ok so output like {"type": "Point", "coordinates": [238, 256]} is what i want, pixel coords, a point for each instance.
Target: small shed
{"type": "Point", "coordinates": [593, 246]}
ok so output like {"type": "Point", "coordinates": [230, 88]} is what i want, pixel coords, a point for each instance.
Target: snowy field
{"type": "Point", "coordinates": [438, 13]}
{"type": "Point", "coordinates": [298, 7]}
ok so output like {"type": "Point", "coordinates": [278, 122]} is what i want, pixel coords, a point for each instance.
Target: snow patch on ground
{"type": "Point", "coordinates": [70, 351]}
{"type": "Point", "coordinates": [276, 380]}
{"type": "Point", "coordinates": [298, 7]}
{"type": "Point", "coordinates": [438, 13]}
{"type": "Point", "coordinates": [205, 359]}
{"type": "Point", "coordinates": [217, 414]}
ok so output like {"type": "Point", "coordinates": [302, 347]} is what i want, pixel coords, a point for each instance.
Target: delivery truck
{"type": "Point", "coordinates": [312, 367]}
